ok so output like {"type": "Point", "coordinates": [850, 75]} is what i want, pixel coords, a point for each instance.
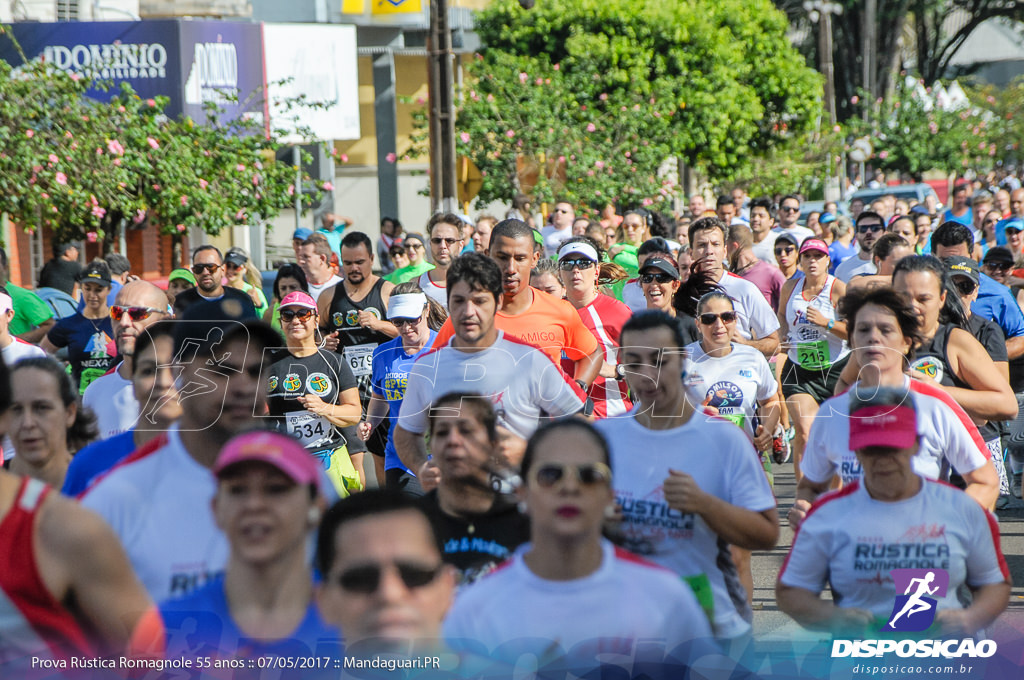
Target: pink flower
{"type": "Point", "coordinates": [464, 137]}
{"type": "Point", "coordinates": [981, 145]}
{"type": "Point", "coordinates": [883, 155]}
{"type": "Point", "coordinates": [117, 162]}
{"type": "Point", "coordinates": [240, 168]}
{"type": "Point", "coordinates": [75, 77]}
{"type": "Point", "coordinates": [490, 98]}
{"type": "Point", "coordinates": [255, 180]}
{"type": "Point", "coordinates": [591, 127]}
{"type": "Point", "coordinates": [114, 147]}
{"type": "Point", "coordinates": [61, 178]}
{"type": "Point", "coordinates": [67, 133]}
{"type": "Point", "coordinates": [561, 159]}
{"type": "Point", "coordinates": [603, 96]}
{"type": "Point", "coordinates": [854, 99]}
{"type": "Point", "coordinates": [90, 236]}
{"type": "Point", "coordinates": [291, 189]}
{"type": "Point", "coordinates": [391, 157]}
{"type": "Point", "coordinates": [30, 133]}
{"type": "Point", "coordinates": [45, 195]}
{"type": "Point", "coordinates": [648, 201]}
{"type": "Point", "coordinates": [327, 186]}
{"type": "Point", "coordinates": [152, 143]}
{"type": "Point", "coordinates": [139, 216]}
{"type": "Point", "coordinates": [203, 183]}
{"type": "Point", "coordinates": [590, 173]}
{"type": "Point", "coordinates": [99, 151]}
{"type": "Point", "coordinates": [598, 164]}
{"type": "Point", "coordinates": [151, 103]}
{"type": "Point", "coordinates": [343, 157]}
{"type": "Point", "coordinates": [180, 228]}
{"type": "Point", "coordinates": [240, 215]}
{"type": "Point", "coordinates": [539, 81]}
{"type": "Point", "coordinates": [121, 109]}
{"type": "Point", "coordinates": [522, 78]}
{"type": "Point", "coordinates": [99, 212]}
{"type": "Point", "coordinates": [184, 200]}
{"type": "Point", "coordinates": [156, 187]}
{"type": "Point", "coordinates": [510, 133]}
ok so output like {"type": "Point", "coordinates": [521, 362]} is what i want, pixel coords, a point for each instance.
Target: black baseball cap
{"type": "Point", "coordinates": [660, 264]}
{"type": "Point", "coordinates": [95, 272]}
{"type": "Point", "coordinates": [211, 322]}
{"type": "Point", "coordinates": [786, 237]}
{"type": "Point", "coordinates": [998, 255]}
{"type": "Point", "coordinates": [963, 266]}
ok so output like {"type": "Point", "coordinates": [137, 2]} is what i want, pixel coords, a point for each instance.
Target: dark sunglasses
{"type": "Point", "coordinates": [548, 475]}
{"type": "Point", "coordinates": [447, 241]}
{"type": "Point", "coordinates": [289, 315]}
{"type": "Point", "coordinates": [232, 265]}
{"type": "Point", "coordinates": [365, 579]}
{"type": "Point", "coordinates": [865, 228]}
{"type": "Point", "coordinates": [660, 278]}
{"type": "Point", "coordinates": [413, 244]}
{"type": "Point", "coordinates": [709, 319]}
{"type": "Point", "coordinates": [785, 249]}
{"type": "Point", "coordinates": [965, 286]}
{"type": "Point", "coordinates": [998, 266]}
{"type": "Point", "coordinates": [788, 208]}
{"type": "Point", "coordinates": [560, 210]}
{"type": "Point", "coordinates": [398, 323]}
{"type": "Point", "coordinates": [134, 313]}
{"type": "Point", "coordinates": [200, 268]}
{"type": "Point", "coordinates": [569, 265]}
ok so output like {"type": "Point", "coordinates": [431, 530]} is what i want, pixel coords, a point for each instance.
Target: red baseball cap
{"type": "Point", "coordinates": [890, 425]}
{"type": "Point", "coordinates": [814, 244]}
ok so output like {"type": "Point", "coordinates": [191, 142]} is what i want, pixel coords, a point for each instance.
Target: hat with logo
{"type": "Point", "coordinates": [272, 448]}
{"type": "Point", "coordinates": [95, 272]}
{"type": "Point", "coordinates": [963, 266]}
{"type": "Point", "coordinates": [581, 248]}
{"type": "Point", "coordinates": [812, 244]}
{"type": "Point", "coordinates": [882, 417]}
{"type": "Point", "coordinates": [998, 255]}
{"type": "Point", "coordinates": [298, 298]}
{"type": "Point", "coordinates": [660, 264]}
{"type": "Point", "coordinates": [236, 257]}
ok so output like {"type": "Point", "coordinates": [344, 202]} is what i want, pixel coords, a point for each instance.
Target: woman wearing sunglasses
{"type": "Point", "coordinates": [816, 340]}
{"type": "Point", "coordinates": [597, 590]}
{"type": "Point", "coordinates": [289, 279]}
{"type": "Point", "coordinates": [268, 500]}
{"type": "Point", "coordinates": [659, 280]}
{"type": "Point", "coordinates": [242, 275]}
{"type": "Point", "coordinates": [412, 312]}
{"type": "Point", "coordinates": [633, 230]}
{"type": "Point", "coordinates": [312, 392]}
{"type": "Point", "coordinates": [416, 251]}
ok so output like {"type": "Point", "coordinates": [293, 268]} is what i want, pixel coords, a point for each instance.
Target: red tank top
{"type": "Point", "coordinates": [32, 622]}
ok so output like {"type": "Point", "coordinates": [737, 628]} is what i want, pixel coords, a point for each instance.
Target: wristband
{"type": "Point", "coordinates": [831, 323]}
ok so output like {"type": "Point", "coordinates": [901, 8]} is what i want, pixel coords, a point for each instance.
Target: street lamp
{"type": "Point", "coordinates": [820, 12]}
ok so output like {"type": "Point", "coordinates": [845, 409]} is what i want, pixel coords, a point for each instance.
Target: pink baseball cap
{"type": "Point", "coordinates": [814, 244]}
{"type": "Point", "coordinates": [298, 299]}
{"type": "Point", "coordinates": [283, 452]}
{"type": "Point", "coordinates": [893, 426]}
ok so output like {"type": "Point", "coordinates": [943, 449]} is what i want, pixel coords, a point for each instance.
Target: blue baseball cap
{"type": "Point", "coordinates": [302, 234]}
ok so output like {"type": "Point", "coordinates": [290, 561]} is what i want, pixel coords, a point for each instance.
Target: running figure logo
{"type": "Point", "coordinates": [915, 609]}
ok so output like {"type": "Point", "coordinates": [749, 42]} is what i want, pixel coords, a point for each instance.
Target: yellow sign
{"type": "Point", "coordinates": [396, 6]}
{"type": "Point", "coordinates": [353, 6]}
{"type": "Point", "coordinates": [469, 179]}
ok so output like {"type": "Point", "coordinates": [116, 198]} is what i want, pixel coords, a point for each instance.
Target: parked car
{"type": "Point", "coordinates": [807, 207]}
{"type": "Point", "coordinates": [906, 192]}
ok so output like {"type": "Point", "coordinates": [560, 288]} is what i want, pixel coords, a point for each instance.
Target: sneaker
{"type": "Point", "coordinates": [782, 450]}
{"type": "Point", "coordinates": [1015, 485]}
{"type": "Point", "coordinates": [1002, 502]}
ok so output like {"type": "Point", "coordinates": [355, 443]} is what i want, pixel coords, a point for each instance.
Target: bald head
{"type": "Point", "coordinates": [1017, 202]}
{"type": "Point", "coordinates": [139, 299]}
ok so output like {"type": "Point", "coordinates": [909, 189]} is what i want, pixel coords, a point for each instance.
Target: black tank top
{"type": "Point", "coordinates": [344, 316]}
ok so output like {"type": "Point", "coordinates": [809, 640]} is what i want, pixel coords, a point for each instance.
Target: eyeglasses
{"type": "Point", "coordinates": [998, 266]}
{"type": "Point", "coordinates": [547, 475]}
{"type": "Point", "coordinates": [447, 241]}
{"type": "Point", "coordinates": [134, 313]}
{"type": "Point", "coordinates": [561, 210]}
{"type": "Point", "coordinates": [965, 286]}
{"type": "Point", "coordinates": [413, 244]}
{"type": "Point", "coordinates": [789, 208]}
{"type": "Point", "coordinates": [709, 319]}
{"type": "Point", "coordinates": [398, 323]}
{"type": "Point", "coordinates": [660, 278]}
{"type": "Point", "coordinates": [569, 265]}
{"type": "Point", "coordinates": [365, 579]}
{"type": "Point", "coordinates": [785, 249]}
{"type": "Point", "coordinates": [200, 268]}
{"type": "Point", "coordinates": [289, 315]}
{"type": "Point", "coordinates": [865, 228]}
{"type": "Point", "coordinates": [232, 265]}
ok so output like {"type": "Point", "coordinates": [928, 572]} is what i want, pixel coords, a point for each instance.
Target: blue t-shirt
{"type": "Point", "coordinates": [390, 369]}
{"type": "Point", "coordinates": [967, 219]}
{"type": "Point", "coordinates": [200, 625]}
{"type": "Point", "coordinates": [334, 239]}
{"type": "Point", "coordinates": [90, 344]}
{"type": "Point", "coordinates": [996, 302]}
{"type": "Point", "coordinates": [837, 252]}
{"type": "Point", "coordinates": [95, 459]}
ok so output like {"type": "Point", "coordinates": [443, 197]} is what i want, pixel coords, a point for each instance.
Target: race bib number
{"type": "Point", "coordinates": [738, 418]}
{"type": "Point", "coordinates": [813, 354]}
{"type": "Point", "coordinates": [88, 376]}
{"type": "Point", "coordinates": [360, 359]}
{"type": "Point", "coordinates": [309, 428]}
{"type": "Point", "coordinates": [701, 587]}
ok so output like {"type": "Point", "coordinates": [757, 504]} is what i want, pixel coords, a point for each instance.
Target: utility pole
{"type": "Point", "coordinates": [820, 12]}
{"type": "Point", "coordinates": [443, 189]}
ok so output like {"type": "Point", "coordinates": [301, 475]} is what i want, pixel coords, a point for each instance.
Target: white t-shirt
{"type": "Point", "coordinates": [112, 399]}
{"type": "Point", "coordinates": [765, 250]}
{"type": "Point", "coordinates": [722, 461]}
{"type": "Point", "coordinates": [553, 238]}
{"type": "Point", "coordinates": [315, 290]}
{"type": "Point", "coordinates": [854, 266]}
{"type": "Point", "coordinates": [852, 541]}
{"type": "Point", "coordinates": [158, 503]}
{"type": "Point", "coordinates": [13, 353]}
{"type": "Point", "coordinates": [945, 433]}
{"type": "Point", "coordinates": [433, 290]}
{"type": "Point", "coordinates": [799, 232]}
{"type": "Point", "coordinates": [626, 598]}
{"type": "Point", "coordinates": [633, 295]}
{"type": "Point", "coordinates": [736, 382]}
{"type": "Point", "coordinates": [754, 312]}
{"type": "Point", "coordinates": [520, 380]}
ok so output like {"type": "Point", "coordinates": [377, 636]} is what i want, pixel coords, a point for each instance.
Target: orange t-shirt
{"type": "Point", "coordinates": [549, 324]}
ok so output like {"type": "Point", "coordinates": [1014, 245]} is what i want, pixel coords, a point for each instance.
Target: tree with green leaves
{"type": "Point", "coordinates": [593, 99]}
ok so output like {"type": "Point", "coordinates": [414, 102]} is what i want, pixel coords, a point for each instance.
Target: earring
{"type": "Point", "coordinates": [313, 516]}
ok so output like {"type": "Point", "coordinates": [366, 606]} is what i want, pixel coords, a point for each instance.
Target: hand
{"type": "Point", "coordinates": [762, 439]}
{"type": "Point", "coordinates": [682, 493]}
{"type": "Point", "coordinates": [815, 316]}
{"type": "Point", "coordinates": [955, 623]}
{"type": "Point", "coordinates": [314, 404]}
{"type": "Point", "coordinates": [918, 375]}
{"type": "Point", "coordinates": [429, 475]}
{"type": "Point", "coordinates": [364, 429]}
{"type": "Point", "coordinates": [707, 407]}
{"type": "Point", "coordinates": [369, 320]}
{"type": "Point", "coordinates": [851, 621]}
{"type": "Point", "coordinates": [331, 342]}
{"type": "Point", "coordinates": [798, 512]}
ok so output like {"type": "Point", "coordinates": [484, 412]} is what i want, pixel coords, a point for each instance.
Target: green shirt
{"type": "Point", "coordinates": [626, 258]}
{"type": "Point", "coordinates": [30, 311]}
{"type": "Point", "coordinates": [262, 307]}
{"type": "Point", "coordinates": [409, 273]}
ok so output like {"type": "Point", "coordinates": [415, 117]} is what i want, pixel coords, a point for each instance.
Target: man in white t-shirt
{"type": "Point", "coordinates": [787, 218]}
{"type": "Point", "coordinates": [445, 233]}
{"type": "Point", "coordinates": [560, 229]}
{"type": "Point", "coordinates": [681, 507]}
{"type": "Point", "coordinates": [158, 499]}
{"type": "Point", "coordinates": [139, 304]}
{"type": "Point", "coordinates": [521, 381]}
{"type": "Point", "coordinates": [315, 260]}
{"type": "Point", "coordinates": [762, 221]}
{"type": "Point", "coordinates": [869, 228]}
{"type": "Point", "coordinates": [757, 325]}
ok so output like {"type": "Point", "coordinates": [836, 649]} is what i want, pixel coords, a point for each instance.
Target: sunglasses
{"type": "Point", "coordinates": [965, 286]}
{"type": "Point", "coordinates": [569, 265]}
{"type": "Point", "coordinates": [865, 228]}
{"type": "Point", "coordinates": [447, 241]}
{"type": "Point", "coordinates": [548, 475]}
{"type": "Point", "coordinates": [398, 323]}
{"type": "Point", "coordinates": [365, 579]}
{"type": "Point", "coordinates": [232, 265]}
{"type": "Point", "coordinates": [660, 278]}
{"type": "Point", "coordinates": [560, 210]}
{"type": "Point", "coordinates": [709, 319]}
{"type": "Point", "coordinates": [785, 249]}
{"type": "Point", "coordinates": [788, 208]}
{"type": "Point", "coordinates": [200, 268]}
{"type": "Point", "coordinates": [413, 244]}
{"type": "Point", "coordinates": [134, 313]}
{"type": "Point", "coordinates": [289, 315]}
{"type": "Point", "coordinates": [998, 266]}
